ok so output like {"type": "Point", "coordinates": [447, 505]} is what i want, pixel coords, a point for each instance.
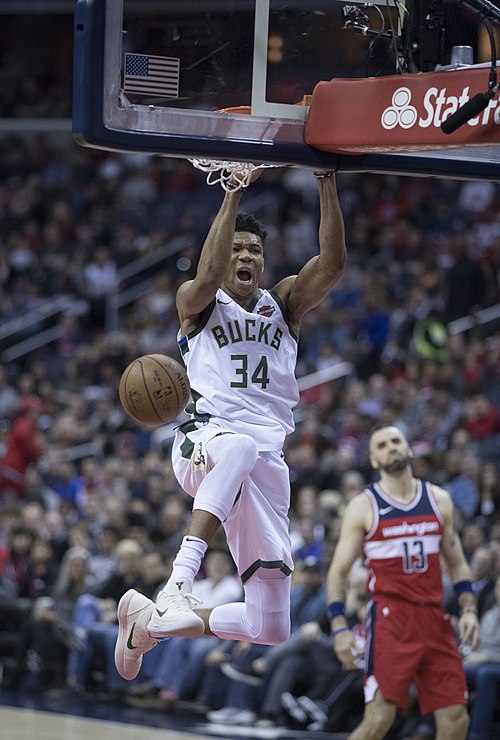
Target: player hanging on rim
{"type": "Point", "coordinates": [403, 526]}
{"type": "Point", "coordinates": [239, 343]}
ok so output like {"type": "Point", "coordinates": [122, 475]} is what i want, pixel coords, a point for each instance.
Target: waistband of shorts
{"type": "Point", "coordinates": [208, 431]}
{"type": "Point", "coordinates": [382, 599]}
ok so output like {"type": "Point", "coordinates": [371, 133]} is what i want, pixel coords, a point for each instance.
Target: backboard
{"type": "Point", "coordinates": [234, 79]}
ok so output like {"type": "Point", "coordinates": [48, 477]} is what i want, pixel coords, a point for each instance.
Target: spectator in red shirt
{"type": "Point", "coordinates": [482, 418]}
{"type": "Point", "coordinates": [24, 447]}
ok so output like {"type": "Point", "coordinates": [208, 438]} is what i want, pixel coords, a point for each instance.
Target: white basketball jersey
{"type": "Point", "coordinates": [241, 366]}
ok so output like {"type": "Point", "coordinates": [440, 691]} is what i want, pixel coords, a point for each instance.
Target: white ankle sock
{"type": "Point", "coordinates": [188, 560]}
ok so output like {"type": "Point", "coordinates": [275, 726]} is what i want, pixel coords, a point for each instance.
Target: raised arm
{"type": "Point", "coordinates": [355, 524]}
{"type": "Point", "coordinates": [460, 573]}
{"type": "Point", "coordinates": [315, 280]}
{"type": "Point", "coordinates": [194, 295]}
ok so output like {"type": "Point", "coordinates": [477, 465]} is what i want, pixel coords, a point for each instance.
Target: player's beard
{"type": "Point", "coordinates": [397, 465]}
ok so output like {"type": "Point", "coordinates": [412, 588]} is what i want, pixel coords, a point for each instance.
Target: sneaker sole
{"type": "Point", "coordinates": [178, 629]}
{"type": "Point", "coordinates": [121, 640]}
{"type": "Point", "coordinates": [312, 709]}
{"type": "Point", "coordinates": [292, 707]}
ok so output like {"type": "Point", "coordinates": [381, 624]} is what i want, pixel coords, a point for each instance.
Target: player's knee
{"type": "Point", "coordinates": [239, 449]}
{"type": "Point", "coordinates": [274, 630]}
{"type": "Point", "coordinates": [245, 449]}
{"type": "Point", "coordinates": [452, 721]}
{"type": "Point", "coordinates": [276, 634]}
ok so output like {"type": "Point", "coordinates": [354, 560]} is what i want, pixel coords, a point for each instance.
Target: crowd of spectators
{"type": "Point", "coordinates": [88, 502]}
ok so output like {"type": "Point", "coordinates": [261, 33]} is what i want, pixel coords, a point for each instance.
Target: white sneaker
{"type": "Point", "coordinates": [313, 709]}
{"type": "Point", "coordinates": [232, 716]}
{"type": "Point", "coordinates": [296, 712]}
{"type": "Point", "coordinates": [134, 611]}
{"type": "Point", "coordinates": [222, 716]}
{"type": "Point", "coordinates": [173, 613]}
{"type": "Point", "coordinates": [244, 717]}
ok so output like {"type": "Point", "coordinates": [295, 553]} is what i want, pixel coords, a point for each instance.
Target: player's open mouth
{"type": "Point", "coordinates": [244, 276]}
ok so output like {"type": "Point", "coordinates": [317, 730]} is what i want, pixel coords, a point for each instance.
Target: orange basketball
{"type": "Point", "coordinates": [154, 389]}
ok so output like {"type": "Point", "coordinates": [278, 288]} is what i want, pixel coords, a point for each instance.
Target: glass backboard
{"type": "Point", "coordinates": [233, 79]}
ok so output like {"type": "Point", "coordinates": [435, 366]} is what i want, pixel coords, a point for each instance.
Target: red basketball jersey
{"type": "Point", "coordinates": [401, 550]}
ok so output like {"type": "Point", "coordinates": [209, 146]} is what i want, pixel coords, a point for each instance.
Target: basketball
{"type": "Point", "coordinates": [154, 389]}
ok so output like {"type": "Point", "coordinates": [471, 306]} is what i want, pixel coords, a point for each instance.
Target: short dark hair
{"type": "Point", "coordinates": [378, 425]}
{"type": "Point", "coordinates": [247, 222]}
{"type": "Point", "coordinates": [113, 530]}
{"type": "Point", "coordinates": [21, 531]}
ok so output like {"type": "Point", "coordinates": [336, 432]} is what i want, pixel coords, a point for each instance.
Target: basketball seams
{"type": "Point", "coordinates": [146, 388]}
{"type": "Point", "coordinates": [154, 395]}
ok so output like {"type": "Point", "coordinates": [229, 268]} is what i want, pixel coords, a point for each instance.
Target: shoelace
{"type": "Point", "coordinates": [177, 602]}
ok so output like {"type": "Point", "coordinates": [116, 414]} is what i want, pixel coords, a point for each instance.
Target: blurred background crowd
{"type": "Point", "coordinates": [93, 246]}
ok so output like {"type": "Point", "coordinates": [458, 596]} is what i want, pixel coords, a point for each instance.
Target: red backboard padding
{"type": "Point", "coordinates": [399, 113]}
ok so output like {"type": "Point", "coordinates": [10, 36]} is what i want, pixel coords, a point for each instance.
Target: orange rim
{"type": "Point", "coordinates": [244, 110]}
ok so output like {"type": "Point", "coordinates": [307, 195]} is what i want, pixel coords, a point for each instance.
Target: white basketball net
{"type": "Point", "coordinates": [229, 175]}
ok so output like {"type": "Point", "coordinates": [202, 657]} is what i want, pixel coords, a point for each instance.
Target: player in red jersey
{"type": "Point", "coordinates": [402, 526]}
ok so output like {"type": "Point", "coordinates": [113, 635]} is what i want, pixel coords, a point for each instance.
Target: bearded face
{"type": "Point", "coordinates": [396, 464]}
{"type": "Point", "coordinates": [389, 450]}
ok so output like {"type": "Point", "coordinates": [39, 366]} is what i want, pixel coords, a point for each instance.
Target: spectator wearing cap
{"type": "Point", "coordinates": [24, 447]}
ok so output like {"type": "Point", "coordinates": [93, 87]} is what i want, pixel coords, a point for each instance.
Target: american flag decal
{"type": "Point", "coordinates": [147, 74]}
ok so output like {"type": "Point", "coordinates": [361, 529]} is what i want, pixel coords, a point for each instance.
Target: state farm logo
{"type": "Point", "coordinates": [400, 112]}
{"type": "Point", "coordinates": [437, 106]}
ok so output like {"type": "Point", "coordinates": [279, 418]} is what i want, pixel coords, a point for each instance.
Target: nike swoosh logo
{"type": "Point", "coordinates": [224, 303]}
{"type": "Point", "coordinates": [386, 510]}
{"type": "Point", "coordinates": [130, 644]}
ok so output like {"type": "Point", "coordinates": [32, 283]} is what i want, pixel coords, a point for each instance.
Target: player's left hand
{"type": "Point", "coordinates": [256, 173]}
{"type": "Point", "coordinates": [468, 629]}
{"type": "Point", "coordinates": [345, 648]}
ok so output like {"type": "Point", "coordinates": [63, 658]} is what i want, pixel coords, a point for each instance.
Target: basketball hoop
{"type": "Point", "coordinates": [223, 173]}
{"type": "Point", "coordinates": [229, 175]}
